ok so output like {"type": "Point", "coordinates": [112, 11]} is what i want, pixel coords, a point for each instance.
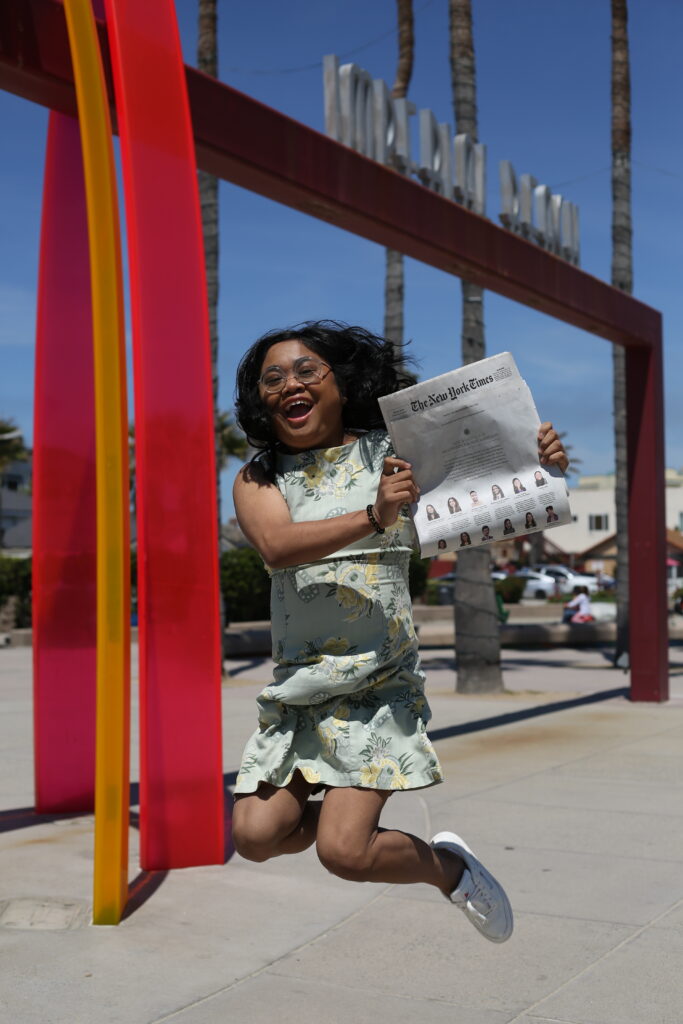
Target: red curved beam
{"type": "Point", "coordinates": [64, 514]}
{"type": "Point", "coordinates": [181, 789]}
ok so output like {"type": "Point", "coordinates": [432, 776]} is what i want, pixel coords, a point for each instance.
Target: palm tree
{"type": "Point", "coordinates": [231, 442]}
{"type": "Point", "coordinates": [622, 277]}
{"type": "Point", "coordinates": [476, 615]}
{"type": "Point", "coordinates": [12, 449]}
{"type": "Point", "coordinates": [394, 279]}
{"type": "Point", "coordinates": [207, 61]}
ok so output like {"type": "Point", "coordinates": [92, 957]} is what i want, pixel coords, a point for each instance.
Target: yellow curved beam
{"type": "Point", "coordinates": [113, 596]}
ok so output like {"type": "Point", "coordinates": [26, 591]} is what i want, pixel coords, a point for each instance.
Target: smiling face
{"type": "Point", "coordinates": [304, 415]}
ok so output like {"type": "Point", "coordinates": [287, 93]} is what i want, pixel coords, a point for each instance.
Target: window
{"type": "Point", "coordinates": [598, 522]}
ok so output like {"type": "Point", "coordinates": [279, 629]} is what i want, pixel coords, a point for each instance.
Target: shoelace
{"type": "Point", "coordinates": [474, 894]}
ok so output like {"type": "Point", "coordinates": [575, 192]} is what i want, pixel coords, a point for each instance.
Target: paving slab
{"type": "Point", "coordinates": [637, 982]}
{"type": "Point", "coordinates": [382, 950]}
{"type": "Point", "coordinates": [273, 997]}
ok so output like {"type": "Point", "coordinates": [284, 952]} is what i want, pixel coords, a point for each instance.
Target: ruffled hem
{"type": "Point", "coordinates": [333, 779]}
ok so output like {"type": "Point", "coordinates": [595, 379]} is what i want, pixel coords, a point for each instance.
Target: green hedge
{"type": "Point", "coordinates": [511, 589]}
{"type": "Point", "coordinates": [418, 570]}
{"type": "Point", "coordinates": [245, 585]}
{"type": "Point", "coordinates": [15, 581]}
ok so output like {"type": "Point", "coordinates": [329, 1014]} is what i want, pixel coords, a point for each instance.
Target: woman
{"type": "Point", "coordinates": [517, 486]}
{"type": "Point", "coordinates": [507, 526]}
{"type": "Point", "coordinates": [529, 521]}
{"type": "Point", "coordinates": [496, 492]}
{"type": "Point", "coordinates": [346, 712]}
{"type": "Point", "coordinates": [465, 540]}
{"type": "Point", "coordinates": [539, 479]}
{"type": "Point", "coordinates": [432, 513]}
{"type": "Point", "coordinates": [454, 506]}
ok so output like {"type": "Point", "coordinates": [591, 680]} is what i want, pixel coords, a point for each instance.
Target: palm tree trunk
{"type": "Point", "coordinates": [477, 630]}
{"type": "Point", "coordinates": [394, 277]}
{"type": "Point", "coordinates": [622, 277]}
{"type": "Point", "coordinates": [207, 61]}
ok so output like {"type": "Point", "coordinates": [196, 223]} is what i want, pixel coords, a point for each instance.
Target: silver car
{"type": "Point", "coordinates": [538, 584]}
{"type": "Point", "coordinates": [567, 579]}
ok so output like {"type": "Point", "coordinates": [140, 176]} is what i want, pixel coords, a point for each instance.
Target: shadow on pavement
{"type": "Point", "coordinates": [518, 716]}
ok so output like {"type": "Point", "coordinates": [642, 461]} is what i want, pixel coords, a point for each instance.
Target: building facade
{"type": "Point", "coordinates": [594, 514]}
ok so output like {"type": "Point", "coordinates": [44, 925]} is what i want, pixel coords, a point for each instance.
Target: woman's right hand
{"type": "Point", "coordinates": [397, 487]}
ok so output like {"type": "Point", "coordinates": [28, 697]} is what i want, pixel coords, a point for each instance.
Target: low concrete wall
{"type": "Point", "coordinates": [246, 639]}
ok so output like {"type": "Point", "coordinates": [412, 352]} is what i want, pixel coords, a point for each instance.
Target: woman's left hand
{"type": "Point", "coordinates": [550, 448]}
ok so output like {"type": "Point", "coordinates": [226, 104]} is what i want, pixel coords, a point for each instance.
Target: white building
{"type": "Point", "coordinates": [594, 516]}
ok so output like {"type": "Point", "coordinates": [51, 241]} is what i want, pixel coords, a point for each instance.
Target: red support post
{"type": "Point", "coordinates": [646, 523]}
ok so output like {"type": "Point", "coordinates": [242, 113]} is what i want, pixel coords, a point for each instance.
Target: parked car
{"type": "Point", "coordinates": [567, 579]}
{"type": "Point", "coordinates": [538, 584]}
{"type": "Point", "coordinates": [445, 585]}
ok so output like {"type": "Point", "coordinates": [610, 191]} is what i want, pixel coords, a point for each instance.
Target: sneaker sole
{"type": "Point", "coordinates": [450, 841]}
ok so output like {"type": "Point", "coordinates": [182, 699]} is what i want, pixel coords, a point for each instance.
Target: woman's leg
{"type": "Point", "coordinates": [273, 820]}
{"type": "Point", "coordinates": [350, 844]}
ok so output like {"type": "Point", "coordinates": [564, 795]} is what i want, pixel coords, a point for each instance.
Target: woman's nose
{"type": "Point", "coordinates": [292, 383]}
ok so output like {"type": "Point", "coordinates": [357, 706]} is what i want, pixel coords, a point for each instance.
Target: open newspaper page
{"type": "Point", "coordinates": [471, 438]}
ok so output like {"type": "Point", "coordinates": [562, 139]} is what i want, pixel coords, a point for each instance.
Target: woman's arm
{"type": "Point", "coordinates": [265, 520]}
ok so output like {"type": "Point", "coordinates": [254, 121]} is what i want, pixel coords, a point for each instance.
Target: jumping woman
{"type": "Point", "coordinates": [324, 502]}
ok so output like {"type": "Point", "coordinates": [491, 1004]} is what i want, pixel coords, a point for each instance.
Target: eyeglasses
{"type": "Point", "coordinates": [305, 371]}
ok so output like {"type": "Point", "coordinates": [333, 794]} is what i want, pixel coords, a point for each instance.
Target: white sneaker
{"type": "Point", "coordinates": [480, 897]}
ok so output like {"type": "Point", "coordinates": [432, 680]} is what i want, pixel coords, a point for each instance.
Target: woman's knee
{"type": "Point", "coordinates": [251, 838]}
{"type": "Point", "coordinates": [350, 860]}
{"type": "Point", "coordinates": [252, 845]}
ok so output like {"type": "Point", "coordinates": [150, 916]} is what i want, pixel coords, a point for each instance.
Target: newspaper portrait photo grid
{"type": "Point", "coordinates": [470, 435]}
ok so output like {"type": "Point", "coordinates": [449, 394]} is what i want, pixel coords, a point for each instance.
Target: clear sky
{"type": "Point", "coordinates": [543, 69]}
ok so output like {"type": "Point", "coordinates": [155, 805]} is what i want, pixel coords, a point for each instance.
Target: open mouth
{"type": "Point", "coordinates": [298, 411]}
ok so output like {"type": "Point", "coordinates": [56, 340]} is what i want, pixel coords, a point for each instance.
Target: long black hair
{"type": "Point", "coordinates": [365, 366]}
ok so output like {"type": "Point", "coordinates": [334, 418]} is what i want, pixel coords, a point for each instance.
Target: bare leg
{"type": "Point", "coordinates": [274, 821]}
{"type": "Point", "coordinates": [350, 844]}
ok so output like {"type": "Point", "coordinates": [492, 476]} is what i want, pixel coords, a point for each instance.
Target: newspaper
{"type": "Point", "coordinates": [471, 438]}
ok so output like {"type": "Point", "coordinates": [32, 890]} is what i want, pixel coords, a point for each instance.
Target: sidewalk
{"type": "Point", "coordinates": [572, 795]}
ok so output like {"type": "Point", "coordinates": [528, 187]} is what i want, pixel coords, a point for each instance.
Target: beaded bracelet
{"type": "Point", "coordinates": [373, 520]}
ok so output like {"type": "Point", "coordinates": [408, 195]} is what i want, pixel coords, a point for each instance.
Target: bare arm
{"type": "Point", "coordinates": [265, 520]}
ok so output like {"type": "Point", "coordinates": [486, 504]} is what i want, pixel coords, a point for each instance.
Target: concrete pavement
{"type": "Point", "coordinates": [572, 795]}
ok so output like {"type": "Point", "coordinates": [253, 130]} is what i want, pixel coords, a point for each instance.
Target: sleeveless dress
{"type": "Point", "coordinates": [347, 704]}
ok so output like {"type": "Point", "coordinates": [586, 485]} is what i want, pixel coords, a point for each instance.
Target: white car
{"type": "Point", "coordinates": [538, 584]}
{"type": "Point", "coordinates": [567, 579]}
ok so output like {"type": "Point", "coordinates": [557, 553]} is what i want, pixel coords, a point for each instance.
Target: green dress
{"type": "Point", "coordinates": [347, 704]}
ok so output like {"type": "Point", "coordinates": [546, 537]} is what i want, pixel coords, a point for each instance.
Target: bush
{"type": "Point", "coordinates": [511, 589]}
{"type": "Point", "coordinates": [418, 571]}
{"type": "Point", "coordinates": [15, 581]}
{"type": "Point", "coordinates": [245, 585]}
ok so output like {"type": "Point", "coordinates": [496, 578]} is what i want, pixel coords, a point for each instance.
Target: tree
{"type": "Point", "coordinates": [622, 277]}
{"type": "Point", "coordinates": [476, 614]}
{"type": "Point", "coordinates": [207, 61]}
{"type": "Point", "coordinates": [394, 279]}
{"type": "Point", "coordinates": [231, 442]}
{"type": "Point", "coordinates": [12, 449]}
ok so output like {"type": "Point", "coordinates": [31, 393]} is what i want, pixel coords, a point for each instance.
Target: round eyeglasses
{"type": "Point", "coordinates": [305, 371]}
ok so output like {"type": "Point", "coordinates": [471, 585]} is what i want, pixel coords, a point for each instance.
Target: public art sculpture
{"type": "Point", "coordinates": [81, 544]}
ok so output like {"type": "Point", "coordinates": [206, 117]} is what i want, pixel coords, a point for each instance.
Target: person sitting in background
{"type": "Point", "coordinates": [579, 609]}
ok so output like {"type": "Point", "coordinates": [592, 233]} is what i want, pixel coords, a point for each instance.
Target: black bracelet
{"type": "Point", "coordinates": [373, 520]}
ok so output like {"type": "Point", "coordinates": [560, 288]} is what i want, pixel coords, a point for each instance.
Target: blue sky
{"type": "Point", "coordinates": [544, 104]}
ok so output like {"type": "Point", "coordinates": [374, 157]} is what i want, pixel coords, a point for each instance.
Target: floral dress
{"type": "Point", "coordinates": [347, 705]}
